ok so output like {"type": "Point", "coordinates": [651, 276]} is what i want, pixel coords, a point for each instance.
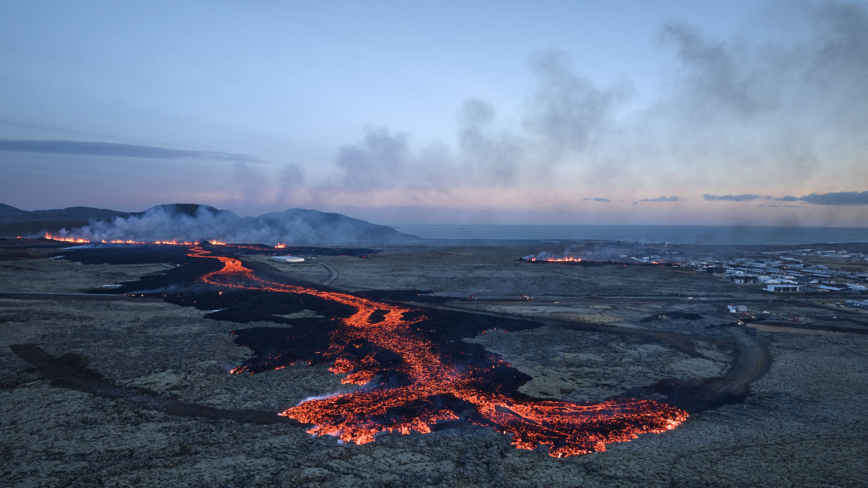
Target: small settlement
{"type": "Point", "coordinates": [794, 271]}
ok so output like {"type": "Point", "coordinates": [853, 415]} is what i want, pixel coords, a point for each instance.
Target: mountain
{"type": "Point", "coordinates": [330, 227]}
{"type": "Point", "coordinates": [190, 221]}
{"type": "Point", "coordinates": [10, 214]}
{"type": "Point", "coordinates": [189, 209]}
{"type": "Point", "coordinates": [14, 221]}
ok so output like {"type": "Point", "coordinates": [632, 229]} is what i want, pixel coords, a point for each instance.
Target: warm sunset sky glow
{"type": "Point", "coordinates": [686, 112]}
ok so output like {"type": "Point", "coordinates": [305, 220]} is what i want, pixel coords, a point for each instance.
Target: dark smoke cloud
{"type": "Point", "coordinates": [94, 148]}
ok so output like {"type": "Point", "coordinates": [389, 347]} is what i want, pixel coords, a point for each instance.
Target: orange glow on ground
{"type": "Point", "coordinates": [359, 416]}
{"type": "Point", "coordinates": [66, 239]}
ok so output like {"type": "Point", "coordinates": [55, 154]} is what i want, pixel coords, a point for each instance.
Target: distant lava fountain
{"type": "Point", "coordinates": [419, 384]}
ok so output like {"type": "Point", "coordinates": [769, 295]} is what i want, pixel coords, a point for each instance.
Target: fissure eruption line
{"type": "Point", "coordinates": [436, 389]}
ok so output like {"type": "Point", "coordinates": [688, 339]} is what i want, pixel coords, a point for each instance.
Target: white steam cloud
{"type": "Point", "coordinates": [200, 222]}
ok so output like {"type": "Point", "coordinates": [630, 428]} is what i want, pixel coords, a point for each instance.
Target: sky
{"type": "Point", "coordinates": [622, 112]}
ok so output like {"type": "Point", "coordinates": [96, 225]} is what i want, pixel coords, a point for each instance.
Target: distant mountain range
{"type": "Point", "coordinates": [14, 221]}
{"type": "Point", "coordinates": [194, 221]}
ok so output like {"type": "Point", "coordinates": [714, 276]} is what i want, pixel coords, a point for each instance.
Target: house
{"type": "Point", "coordinates": [737, 308]}
{"type": "Point", "coordinates": [715, 270]}
{"type": "Point", "coordinates": [778, 288]}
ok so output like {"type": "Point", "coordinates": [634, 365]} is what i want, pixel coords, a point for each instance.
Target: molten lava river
{"type": "Point", "coordinates": [411, 384]}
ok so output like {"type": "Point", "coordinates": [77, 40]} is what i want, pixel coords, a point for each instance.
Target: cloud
{"type": "Point", "coordinates": [606, 200]}
{"type": "Point", "coordinates": [673, 198]}
{"type": "Point", "coordinates": [733, 198]}
{"type": "Point", "coordinates": [842, 198]}
{"type": "Point", "coordinates": [837, 198]}
{"type": "Point", "coordinates": [95, 148]}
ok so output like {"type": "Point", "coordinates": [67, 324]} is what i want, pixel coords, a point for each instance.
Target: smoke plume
{"type": "Point", "coordinates": [200, 222]}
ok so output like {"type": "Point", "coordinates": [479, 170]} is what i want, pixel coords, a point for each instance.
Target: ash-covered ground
{"type": "Point", "coordinates": [772, 405]}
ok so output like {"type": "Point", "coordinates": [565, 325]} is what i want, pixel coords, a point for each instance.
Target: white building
{"type": "Point", "coordinates": [782, 288]}
{"type": "Point", "coordinates": [287, 259]}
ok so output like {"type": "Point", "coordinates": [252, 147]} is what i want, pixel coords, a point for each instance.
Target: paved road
{"type": "Point", "coordinates": [550, 299]}
{"type": "Point", "coordinates": [72, 296]}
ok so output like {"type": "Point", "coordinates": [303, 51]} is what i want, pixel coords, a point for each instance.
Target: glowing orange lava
{"type": "Point", "coordinates": [436, 385]}
{"type": "Point", "coordinates": [66, 239]}
{"type": "Point", "coordinates": [557, 260]}
{"type": "Point", "coordinates": [280, 246]}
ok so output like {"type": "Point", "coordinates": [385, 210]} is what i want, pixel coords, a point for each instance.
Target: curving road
{"type": "Point", "coordinates": [333, 273]}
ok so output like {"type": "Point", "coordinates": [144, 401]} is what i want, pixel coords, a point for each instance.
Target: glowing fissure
{"type": "Point", "coordinates": [81, 240]}
{"type": "Point", "coordinates": [75, 240]}
{"type": "Point", "coordinates": [436, 390]}
{"type": "Point", "coordinates": [559, 260]}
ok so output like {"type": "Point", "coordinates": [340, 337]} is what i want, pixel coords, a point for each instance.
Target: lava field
{"type": "Point", "coordinates": [413, 371]}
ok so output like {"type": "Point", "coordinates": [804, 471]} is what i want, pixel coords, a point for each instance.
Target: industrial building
{"type": "Point", "coordinates": [782, 288]}
{"type": "Point", "coordinates": [743, 279]}
{"type": "Point", "coordinates": [287, 259]}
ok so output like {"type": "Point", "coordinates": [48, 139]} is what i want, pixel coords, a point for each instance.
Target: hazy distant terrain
{"type": "Point", "coordinates": [14, 221]}
{"type": "Point", "coordinates": [197, 222]}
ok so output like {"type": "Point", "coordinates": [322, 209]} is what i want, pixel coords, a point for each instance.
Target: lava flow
{"type": "Point", "coordinates": [73, 240]}
{"type": "Point", "coordinates": [419, 384]}
{"type": "Point", "coordinates": [560, 260]}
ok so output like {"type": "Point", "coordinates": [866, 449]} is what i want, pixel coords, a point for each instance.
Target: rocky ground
{"type": "Point", "coordinates": [801, 425]}
{"type": "Point", "coordinates": [498, 271]}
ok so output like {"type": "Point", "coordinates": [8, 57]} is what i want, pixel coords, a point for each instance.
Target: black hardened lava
{"type": "Point", "coordinates": [70, 371]}
{"type": "Point", "coordinates": [309, 339]}
{"type": "Point", "coordinates": [596, 264]}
